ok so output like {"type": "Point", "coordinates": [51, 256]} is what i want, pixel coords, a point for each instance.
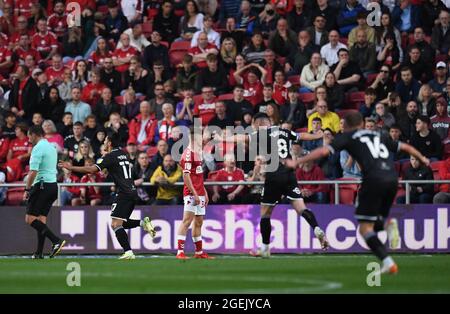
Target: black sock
{"type": "Point", "coordinates": [44, 230]}
{"type": "Point", "coordinates": [40, 244]}
{"type": "Point", "coordinates": [379, 225]}
{"type": "Point", "coordinates": [122, 237]}
{"type": "Point", "coordinates": [310, 218]}
{"type": "Point", "coordinates": [131, 223]}
{"type": "Point", "coordinates": [375, 245]}
{"type": "Point", "coordinates": [266, 229]}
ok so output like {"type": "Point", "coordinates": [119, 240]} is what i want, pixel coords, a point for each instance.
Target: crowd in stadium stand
{"type": "Point", "coordinates": [145, 68]}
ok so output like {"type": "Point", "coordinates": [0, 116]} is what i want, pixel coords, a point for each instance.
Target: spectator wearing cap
{"type": "Point", "coordinates": [329, 52]}
{"type": "Point", "coordinates": [438, 83]}
{"type": "Point", "coordinates": [23, 97]}
{"type": "Point", "coordinates": [361, 19]}
{"type": "Point", "coordinates": [156, 51]}
{"type": "Point", "coordinates": [347, 72]}
{"type": "Point", "coordinates": [425, 140]}
{"type": "Point", "coordinates": [406, 16]}
{"type": "Point", "coordinates": [440, 122]}
{"type": "Point", "coordinates": [284, 40]}
{"type": "Point", "coordinates": [137, 38]}
{"type": "Point", "coordinates": [440, 37]}
{"type": "Point", "coordinates": [79, 109]}
{"type": "Point", "coordinates": [347, 16]}
{"type": "Point", "coordinates": [212, 35]}
{"type": "Point", "coordinates": [318, 32]}
{"type": "Point", "coordinates": [116, 23]}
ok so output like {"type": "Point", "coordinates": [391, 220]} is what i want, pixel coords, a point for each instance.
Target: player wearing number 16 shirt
{"type": "Point", "coordinates": [373, 152]}
{"type": "Point", "coordinates": [119, 168]}
{"type": "Point", "coordinates": [194, 195]}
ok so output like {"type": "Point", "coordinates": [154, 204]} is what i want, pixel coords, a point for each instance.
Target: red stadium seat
{"type": "Point", "coordinates": [180, 45]}
{"type": "Point", "coordinates": [294, 80]}
{"type": "Point", "coordinates": [165, 43]}
{"type": "Point", "coordinates": [152, 12]}
{"type": "Point", "coordinates": [147, 28]}
{"type": "Point", "coordinates": [344, 112]}
{"type": "Point", "coordinates": [151, 151]}
{"type": "Point", "coordinates": [120, 100]}
{"type": "Point", "coordinates": [176, 56]}
{"type": "Point", "coordinates": [346, 196]}
{"type": "Point", "coordinates": [398, 168]}
{"type": "Point", "coordinates": [405, 167]}
{"type": "Point", "coordinates": [353, 100]}
{"type": "Point", "coordinates": [103, 9]}
{"type": "Point", "coordinates": [225, 97]}
{"type": "Point", "coordinates": [371, 78]}
{"type": "Point", "coordinates": [301, 130]}
{"type": "Point", "coordinates": [179, 12]}
{"type": "Point", "coordinates": [307, 97]}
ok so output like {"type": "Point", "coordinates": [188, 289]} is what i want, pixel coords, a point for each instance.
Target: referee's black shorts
{"type": "Point", "coordinates": [42, 196]}
{"type": "Point", "coordinates": [375, 199]}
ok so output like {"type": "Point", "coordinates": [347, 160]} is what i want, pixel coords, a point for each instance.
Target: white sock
{"type": "Point", "coordinates": [317, 230]}
{"type": "Point", "coordinates": [265, 247]}
{"type": "Point", "coordinates": [388, 261]}
{"type": "Point", "coordinates": [196, 239]}
{"type": "Point", "coordinates": [129, 251]}
{"type": "Point", "coordinates": [141, 223]}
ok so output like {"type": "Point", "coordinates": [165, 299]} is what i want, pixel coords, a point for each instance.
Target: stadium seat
{"type": "Point", "coordinates": [344, 40]}
{"type": "Point", "coordinates": [294, 80]}
{"type": "Point", "coordinates": [151, 151]}
{"type": "Point", "coordinates": [353, 100]}
{"type": "Point", "coordinates": [151, 13]}
{"type": "Point", "coordinates": [405, 167]}
{"type": "Point", "coordinates": [346, 196]}
{"type": "Point", "coordinates": [371, 78]}
{"type": "Point", "coordinates": [344, 112]}
{"type": "Point", "coordinates": [307, 97]}
{"type": "Point", "coordinates": [398, 167]}
{"type": "Point", "coordinates": [14, 196]}
{"type": "Point", "coordinates": [180, 45]}
{"type": "Point", "coordinates": [165, 43]}
{"type": "Point", "coordinates": [197, 98]}
{"type": "Point", "coordinates": [211, 177]}
{"type": "Point", "coordinates": [120, 100]}
{"type": "Point", "coordinates": [225, 97]}
{"type": "Point", "coordinates": [435, 165]}
{"type": "Point", "coordinates": [179, 12]}
{"type": "Point", "coordinates": [176, 56]}
{"type": "Point", "coordinates": [102, 9]}
{"type": "Point", "coordinates": [147, 28]}
{"type": "Point", "coordinates": [301, 130]}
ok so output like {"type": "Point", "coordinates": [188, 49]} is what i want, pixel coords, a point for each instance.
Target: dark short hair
{"type": "Point", "coordinates": [395, 127]}
{"type": "Point", "coordinates": [78, 123]}
{"type": "Point", "coordinates": [342, 49]}
{"type": "Point", "coordinates": [268, 86]}
{"type": "Point", "coordinates": [353, 119]}
{"type": "Point", "coordinates": [114, 138]}
{"type": "Point", "coordinates": [317, 119]}
{"type": "Point", "coordinates": [240, 86]}
{"type": "Point", "coordinates": [9, 114]}
{"type": "Point", "coordinates": [405, 68]}
{"type": "Point", "coordinates": [370, 91]}
{"type": "Point", "coordinates": [22, 126]}
{"type": "Point", "coordinates": [260, 115]}
{"type": "Point", "coordinates": [424, 119]}
{"type": "Point", "coordinates": [36, 130]}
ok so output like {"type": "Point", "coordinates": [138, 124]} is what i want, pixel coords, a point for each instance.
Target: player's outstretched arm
{"type": "Point", "coordinates": [318, 153]}
{"type": "Point", "coordinates": [305, 136]}
{"type": "Point", "coordinates": [414, 152]}
{"type": "Point", "coordinates": [85, 169]}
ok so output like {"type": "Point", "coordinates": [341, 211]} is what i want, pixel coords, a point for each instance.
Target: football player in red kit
{"type": "Point", "coordinates": [194, 195]}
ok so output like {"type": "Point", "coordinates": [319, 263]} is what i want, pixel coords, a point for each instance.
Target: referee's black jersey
{"type": "Point", "coordinates": [272, 142]}
{"type": "Point", "coordinates": [120, 169]}
{"type": "Point", "coordinates": [371, 150]}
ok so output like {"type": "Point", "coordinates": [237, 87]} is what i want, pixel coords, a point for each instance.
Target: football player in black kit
{"type": "Point", "coordinates": [119, 167]}
{"type": "Point", "coordinates": [379, 185]}
{"type": "Point", "coordinates": [280, 177]}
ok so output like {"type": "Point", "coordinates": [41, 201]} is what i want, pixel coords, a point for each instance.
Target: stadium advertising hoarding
{"type": "Point", "coordinates": [227, 229]}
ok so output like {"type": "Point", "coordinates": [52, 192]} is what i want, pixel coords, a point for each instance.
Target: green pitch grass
{"type": "Point", "coordinates": [225, 274]}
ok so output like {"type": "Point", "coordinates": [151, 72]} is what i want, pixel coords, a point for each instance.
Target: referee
{"type": "Point", "coordinates": [41, 190]}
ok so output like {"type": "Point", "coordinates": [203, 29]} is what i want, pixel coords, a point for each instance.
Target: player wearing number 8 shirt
{"type": "Point", "coordinates": [372, 151]}
{"type": "Point", "coordinates": [119, 167]}
{"type": "Point", "coordinates": [280, 177]}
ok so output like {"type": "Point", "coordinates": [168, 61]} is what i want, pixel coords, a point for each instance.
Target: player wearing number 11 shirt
{"type": "Point", "coordinates": [119, 168]}
{"type": "Point", "coordinates": [373, 152]}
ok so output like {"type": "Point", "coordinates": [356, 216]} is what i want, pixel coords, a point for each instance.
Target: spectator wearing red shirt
{"type": "Point", "coordinates": [18, 154]}
{"type": "Point", "coordinates": [43, 41]}
{"type": "Point", "coordinates": [23, 7]}
{"type": "Point", "coordinates": [443, 196]}
{"type": "Point", "coordinates": [280, 88]}
{"type": "Point", "coordinates": [57, 22]}
{"type": "Point", "coordinates": [122, 56]}
{"type": "Point", "coordinates": [282, 7]}
{"type": "Point", "coordinates": [92, 91]}
{"type": "Point", "coordinates": [142, 127]}
{"type": "Point", "coordinates": [226, 194]}
{"type": "Point", "coordinates": [205, 106]}
{"type": "Point", "coordinates": [5, 61]}
{"type": "Point", "coordinates": [55, 73]}
{"type": "Point", "coordinates": [312, 193]}
{"type": "Point", "coordinates": [200, 51]}
{"type": "Point", "coordinates": [21, 29]}
{"type": "Point", "coordinates": [23, 49]}
{"type": "Point", "coordinates": [7, 20]}
{"type": "Point", "coordinates": [101, 53]}
{"type": "Point", "coordinates": [253, 86]}
{"type": "Point", "coordinates": [91, 194]}
{"type": "Point", "coordinates": [4, 146]}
